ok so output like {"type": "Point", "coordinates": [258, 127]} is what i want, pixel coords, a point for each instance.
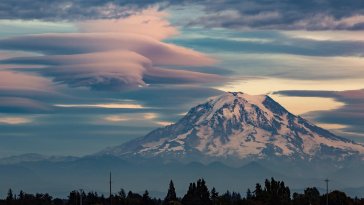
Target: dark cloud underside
{"type": "Point", "coordinates": [267, 14]}
{"type": "Point", "coordinates": [279, 45]}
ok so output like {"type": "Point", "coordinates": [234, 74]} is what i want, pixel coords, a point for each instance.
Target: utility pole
{"type": "Point", "coordinates": [110, 189]}
{"type": "Point", "coordinates": [327, 191]}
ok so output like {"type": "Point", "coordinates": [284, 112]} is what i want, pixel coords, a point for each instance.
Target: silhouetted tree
{"type": "Point", "coordinates": [73, 198]}
{"type": "Point", "coordinates": [249, 194]}
{"type": "Point", "coordinates": [273, 193]}
{"type": "Point", "coordinates": [10, 197]}
{"type": "Point", "coordinates": [312, 196]}
{"type": "Point", "coordinates": [134, 199]}
{"type": "Point", "coordinates": [336, 198]}
{"type": "Point", "coordinates": [197, 194]}
{"type": "Point", "coordinates": [258, 192]}
{"type": "Point", "coordinates": [171, 194]}
{"type": "Point", "coordinates": [146, 198]}
{"type": "Point", "coordinates": [214, 196]}
{"type": "Point", "coordinates": [121, 197]}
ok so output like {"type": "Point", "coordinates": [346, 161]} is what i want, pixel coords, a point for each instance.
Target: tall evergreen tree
{"type": "Point", "coordinates": [122, 194]}
{"type": "Point", "coordinates": [214, 194]}
{"type": "Point", "coordinates": [197, 194]}
{"type": "Point", "coordinates": [10, 195]}
{"type": "Point", "coordinates": [249, 194]}
{"type": "Point", "coordinates": [146, 198]}
{"type": "Point", "coordinates": [21, 195]}
{"type": "Point", "coordinates": [258, 191]}
{"type": "Point", "coordinates": [203, 192]}
{"type": "Point", "coordinates": [171, 194]}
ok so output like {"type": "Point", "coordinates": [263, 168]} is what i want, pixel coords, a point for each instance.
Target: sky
{"type": "Point", "coordinates": [79, 76]}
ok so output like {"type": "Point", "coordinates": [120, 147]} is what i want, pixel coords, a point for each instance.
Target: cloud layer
{"type": "Point", "coordinates": [68, 9]}
{"type": "Point", "coordinates": [106, 61]}
{"type": "Point", "coordinates": [117, 58]}
{"type": "Point", "coordinates": [50, 79]}
{"type": "Point", "coordinates": [149, 22]}
{"type": "Point", "coordinates": [283, 14]}
{"type": "Point", "coordinates": [350, 115]}
{"type": "Point", "coordinates": [110, 63]}
{"type": "Point", "coordinates": [266, 14]}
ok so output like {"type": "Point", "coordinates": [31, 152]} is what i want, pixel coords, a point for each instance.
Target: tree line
{"type": "Point", "coordinates": [272, 192]}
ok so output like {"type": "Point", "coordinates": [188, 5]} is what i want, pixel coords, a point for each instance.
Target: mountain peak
{"type": "Point", "coordinates": [233, 106]}
{"type": "Point", "coordinates": [228, 96]}
{"type": "Point", "coordinates": [237, 126]}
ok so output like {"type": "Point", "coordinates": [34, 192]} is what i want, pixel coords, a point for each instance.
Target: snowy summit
{"type": "Point", "coordinates": [238, 126]}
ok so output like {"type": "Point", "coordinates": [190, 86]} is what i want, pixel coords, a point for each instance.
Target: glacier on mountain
{"type": "Point", "coordinates": [238, 126]}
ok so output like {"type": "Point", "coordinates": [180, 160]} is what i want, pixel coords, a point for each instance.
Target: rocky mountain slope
{"type": "Point", "coordinates": [239, 127]}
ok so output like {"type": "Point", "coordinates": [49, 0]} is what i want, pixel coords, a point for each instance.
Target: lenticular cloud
{"type": "Point", "coordinates": [112, 60]}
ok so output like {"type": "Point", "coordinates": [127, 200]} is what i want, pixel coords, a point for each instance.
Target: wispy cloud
{"type": "Point", "coordinates": [149, 22]}
{"type": "Point", "coordinates": [164, 123]}
{"type": "Point", "coordinates": [134, 117]}
{"type": "Point", "coordinates": [14, 120]}
{"type": "Point", "coordinates": [115, 118]}
{"type": "Point", "coordinates": [23, 105]}
{"type": "Point", "coordinates": [106, 105]}
{"type": "Point", "coordinates": [152, 118]}
{"type": "Point", "coordinates": [285, 55]}
{"type": "Point", "coordinates": [283, 15]}
{"type": "Point", "coordinates": [349, 116]}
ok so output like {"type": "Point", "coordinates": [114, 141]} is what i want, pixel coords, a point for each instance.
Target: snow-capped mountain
{"type": "Point", "coordinates": [238, 126]}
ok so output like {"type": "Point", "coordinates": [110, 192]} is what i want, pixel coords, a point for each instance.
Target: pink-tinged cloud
{"type": "Point", "coordinates": [353, 95]}
{"type": "Point", "coordinates": [113, 70]}
{"type": "Point", "coordinates": [179, 76]}
{"type": "Point", "coordinates": [110, 61]}
{"type": "Point", "coordinates": [158, 52]}
{"type": "Point", "coordinates": [13, 54]}
{"type": "Point", "coordinates": [18, 90]}
{"type": "Point", "coordinates": [20, 81]}
{"type": "Point", "coordinates": [149, 22]}
{"type": "Point", "coordinates": [14, 120]}
{"type": "Point", "coordinates": [113, 54]}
